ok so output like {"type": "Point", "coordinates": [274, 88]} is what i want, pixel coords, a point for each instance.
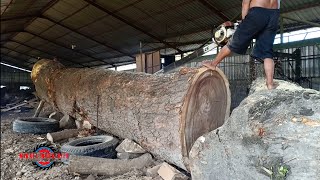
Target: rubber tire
{"type": "Point", "coordinates": [104, 146]}
{"type": "Point", "coordinates": [35, 125]}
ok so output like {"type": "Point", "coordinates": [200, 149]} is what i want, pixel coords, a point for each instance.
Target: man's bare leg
{"type": "Point", "coordinates": [224, 52]}
{"type": "Point", "coordinates": [269, 70]}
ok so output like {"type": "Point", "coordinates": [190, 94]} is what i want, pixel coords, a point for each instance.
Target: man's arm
{"type": "Point", "coordinates": [245, 7]}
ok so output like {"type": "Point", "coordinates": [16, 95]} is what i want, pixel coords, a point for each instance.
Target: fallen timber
{"type": "Point", "coordinates": [164, 113]}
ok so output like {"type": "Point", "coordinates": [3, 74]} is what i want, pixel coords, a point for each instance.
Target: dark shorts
{"type": "Point", "coordinates": [260, 24]}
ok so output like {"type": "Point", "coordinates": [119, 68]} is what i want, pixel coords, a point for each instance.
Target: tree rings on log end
{"type": "Point", "coordinates": [206, 106]}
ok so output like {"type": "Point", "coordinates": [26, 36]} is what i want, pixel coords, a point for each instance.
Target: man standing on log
{"type": "Point", "coordinates": [260, 21]}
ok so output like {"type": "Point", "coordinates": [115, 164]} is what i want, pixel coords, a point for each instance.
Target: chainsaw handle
{"type": "Point", "coordinates": [227, 24]}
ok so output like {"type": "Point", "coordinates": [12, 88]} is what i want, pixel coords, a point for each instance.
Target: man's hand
{"type": "Point", "coordinates": [210, 64]}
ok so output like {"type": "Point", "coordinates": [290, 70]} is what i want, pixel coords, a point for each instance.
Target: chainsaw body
{"type": "Point", "coordinates": [224, 32]}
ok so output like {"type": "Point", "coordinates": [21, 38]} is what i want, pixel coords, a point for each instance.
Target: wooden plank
{"type": "Point", "coordinates": [138, 62]}
{"type": "Point", "coordinates": [149, 60]}
{"type": "Point", "coordinates": [19, 105]}
{"type": "Point", "coordinates": [156, 59]}
{"type": "Point", "coordinates": [156, 68]}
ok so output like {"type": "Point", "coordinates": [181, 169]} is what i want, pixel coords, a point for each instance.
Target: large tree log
{"type": "Point", "coordinates": [165, 114]}
{"type": "Point", "coordinates": [269, 133]}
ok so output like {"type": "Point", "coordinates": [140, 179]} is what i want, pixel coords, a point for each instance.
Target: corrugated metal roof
{"type": "Point", "coordinates": [108, 32]}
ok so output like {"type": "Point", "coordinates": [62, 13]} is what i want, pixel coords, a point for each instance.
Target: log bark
{"type": "Point", "coordinates": [61, 135]}
{"type": "Point", "coordinates": [109, 167]}
{"type": "Point", "coordinates": [165, 114]}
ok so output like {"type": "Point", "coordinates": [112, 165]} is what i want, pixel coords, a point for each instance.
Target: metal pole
{"type": "Point", "coordinates": [297, 55]}
{"type": "Point", "coordinates": [279, 63]}
{"type": "Point", "coordinates": [252, 69]}
{"type": "Point", "coordinates": [281, 30]}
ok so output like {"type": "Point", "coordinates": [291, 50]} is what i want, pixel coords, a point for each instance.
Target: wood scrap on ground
{"type": "Point", "coordinates": [62, 135]}
{"type": "Point", "coordinates": [19, 105]}
{"type": "Point", "coordinates": [110, 167]}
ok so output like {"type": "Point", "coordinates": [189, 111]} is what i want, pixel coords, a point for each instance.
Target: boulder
{"type": "Point", "coordinates": [56, 115]}
{"type": "Point", "coordinates": [271, 134]}
{"type": "Point", "coordinates": [126, 155]}
{"type": "Point", "coordinates": [153, 171]}
{"type": "Point", "coordinates": [129, 146]}
{"type": "Point", "coordinates": [67, 122]}
{"type": "Point", "coordinates": [168, 172]}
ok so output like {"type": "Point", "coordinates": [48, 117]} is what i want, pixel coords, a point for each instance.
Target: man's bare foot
{"type": "Point", "coordinates": [272, 86]}
{"type": "Point", "coordinates": [210, 65]}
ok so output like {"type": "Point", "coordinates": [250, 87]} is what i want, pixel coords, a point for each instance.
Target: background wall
{"type": "Point", "coordinates": [14, 78]}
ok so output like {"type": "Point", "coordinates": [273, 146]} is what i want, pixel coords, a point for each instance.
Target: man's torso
{"type": "Point", "coordinates": [269, 4]}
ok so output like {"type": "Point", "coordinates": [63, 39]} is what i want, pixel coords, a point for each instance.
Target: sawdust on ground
{"type": "Point", "coordinates": [12, 168]}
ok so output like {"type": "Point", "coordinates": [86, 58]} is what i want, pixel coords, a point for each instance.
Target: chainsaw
{"type": "Point", "coordinates": [220, 37]}
{"type": "Point", "coordinates": [224, 32]}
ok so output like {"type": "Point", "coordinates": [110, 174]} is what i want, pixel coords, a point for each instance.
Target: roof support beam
{"type": "Point", "coordinates": [13, 57]}
{"type": "Point", "coordinates": [14, 63]}
{"type": "Point", "coordinates": [130, 24]}
{"type": "Point", "coordinates": [308, 5]}
{"type": "Point", "coordinates": [118, 63]}
{"type": "Point", "coordinates": [88, 37]}
{"type": "Point", "coordinates": [214, 10]}
{"type": "Point", "coordinates": [44, 9]}
{"type": "Point", "coordinates": [9, 32]}
{"type": "Point", "coordinates": [315, 3]}
{"type": "Point", "coordinates": [62, 45]}
{"type": "Point", "coordinates": [163, 47]}
{"type": "Point", "coordinates": [302, 21]}
{"type": "Point", "coordinates": [296, 26]}
{"type": "Point", "coordinates": [21, 43]}
{"type": "Point", "coordinates": [4, 47]}
{"type": "Point", "coordinates": [6, 7]}
{"type": "Point", "coordinates": [16, 18]}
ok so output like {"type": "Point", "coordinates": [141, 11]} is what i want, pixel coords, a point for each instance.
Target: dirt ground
{"type": "Point", "coordinates": [15, 169]}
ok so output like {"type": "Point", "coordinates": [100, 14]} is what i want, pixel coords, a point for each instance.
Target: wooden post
{"type": "Point", "coordinates": [39, 108]}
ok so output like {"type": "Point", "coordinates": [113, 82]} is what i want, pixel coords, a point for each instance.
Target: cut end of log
{"type": "Point", "coordinates": [206, 107]}
{"type": "Point", "coordinates": [61, 135]}
{"type": "Point", "coordinates": [44, 64]}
